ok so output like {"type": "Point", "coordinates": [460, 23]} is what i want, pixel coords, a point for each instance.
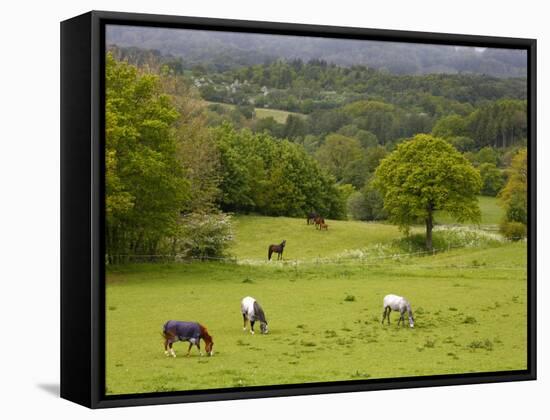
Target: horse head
{"type": "Point", "coordinates": [208, 340]}
{"type": "Point", "coordinates": [209, 347]}
{"type": "Point", "coordinates": [411, 319]}
{"type": "Point", "coordinates": [283, 243]}
{"type": "Point", "coordinates": [263, 328]}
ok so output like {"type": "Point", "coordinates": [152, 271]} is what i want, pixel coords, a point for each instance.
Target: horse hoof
{"type": "Point", "coordinates": [252, 332]}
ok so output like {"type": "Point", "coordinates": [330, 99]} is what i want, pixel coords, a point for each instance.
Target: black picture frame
{"type": "Point", "coordinates": [82, 204]}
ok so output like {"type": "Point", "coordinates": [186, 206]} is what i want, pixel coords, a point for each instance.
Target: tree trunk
{"type": "Point", "coordinates": [429, 228]}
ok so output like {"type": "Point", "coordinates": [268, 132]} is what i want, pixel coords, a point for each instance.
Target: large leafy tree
{"type": "Point", "coordinates": [144, 185]}
{"type": "Point", "coordinates": [423, 175]}
{"type": "Point", "coordinates": [337, 154]}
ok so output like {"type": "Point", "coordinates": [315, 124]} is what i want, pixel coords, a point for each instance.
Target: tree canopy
{"type": "Point", "coordinates": [423, 175]}
{"type": "Point", "coordinates": [145, 187]}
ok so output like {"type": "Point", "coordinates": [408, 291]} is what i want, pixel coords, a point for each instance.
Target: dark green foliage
{"type": "Point", "coordinates": [514, 194]}
{"type": "Point", "coordinates": [273, 177]}
{"type": "Point", "coordinates": [492, 179]}
{"type": "Point", "coordinates": [366, 204]}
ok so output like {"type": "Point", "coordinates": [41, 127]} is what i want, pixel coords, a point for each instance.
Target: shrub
{"type": "Point", "coordinates": [450, 237]}
{"type": "Point", "coordinates": [513, 231]}
{"type": "Point", "coordinates": [205, 235]}
{"type": "Point", "coordinates": [366, 205]}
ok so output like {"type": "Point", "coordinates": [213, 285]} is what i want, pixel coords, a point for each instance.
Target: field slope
{"type": "Point", "coordinates": [324, 317]}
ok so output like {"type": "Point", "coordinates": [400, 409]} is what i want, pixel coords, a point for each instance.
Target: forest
{"type": "Point", "coordinates": [188, 145]}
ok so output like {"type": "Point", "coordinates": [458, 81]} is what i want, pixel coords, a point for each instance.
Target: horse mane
{"type": "Point", "coordinates": [204, 333]}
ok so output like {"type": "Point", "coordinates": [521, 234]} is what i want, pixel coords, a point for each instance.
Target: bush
{"type": "Point", "coordinates": [205, 235]}
{"type": "Point", "coordinates": [366, 205]}
{"type": "Point", "coordinates": [449, 237]}
{"type": "Point", "coordinates": [513, 231]}
{"type": "Point", "coordinates": [357, 207]}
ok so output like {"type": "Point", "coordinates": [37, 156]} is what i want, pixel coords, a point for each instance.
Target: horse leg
{"type": "Point", "coordinates": [252, 327]}
{"type": "Point", "coordinates": [172, 352]}
{"type": "Point", "coordinates": [189, 349]}
{"type": "Point", "coordinates": [244, 322]}
{"type": "Point", "coordinates": [389, 312]}
{"type": "Point", "coordinates": [166, 347]}
{"type": "Point", "coordinates": [384, 315]}
{"type": "Point", "coordinates": [199, 347]}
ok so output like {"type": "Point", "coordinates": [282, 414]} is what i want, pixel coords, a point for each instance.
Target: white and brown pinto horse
{"type": "Point", "coordinates": [252, 311]}
{"type": "Point", "coordinates": [399, 304]}
{"type": "Point", "coordinates": [192, 332]}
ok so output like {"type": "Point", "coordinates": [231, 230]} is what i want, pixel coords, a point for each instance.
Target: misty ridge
{"type": "Point", "coordinates": [228, 50]}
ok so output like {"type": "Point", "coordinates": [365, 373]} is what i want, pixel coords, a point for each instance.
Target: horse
{"type": "Point", "coordinates": [397, 303]}
{"type": "Point", "coordinates": [252, 311]}
{"type": "Point", "coordinates": [324, 226]}
{"type": "Point", "coordinates": [311, 216]}
{"type": "Point", "coordinates": [276, 248]}
{"type": "Point", "coordinates": [319, 220]}
{"type": "Point", "coordinates": [192, 332]}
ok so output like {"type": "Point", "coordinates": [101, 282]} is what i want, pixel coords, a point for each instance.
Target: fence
{"type": "Point", "coordinates": [366, 260]}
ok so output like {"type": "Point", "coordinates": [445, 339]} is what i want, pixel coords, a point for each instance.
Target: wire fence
{"type": "Point", "coordinates": [365, 258]}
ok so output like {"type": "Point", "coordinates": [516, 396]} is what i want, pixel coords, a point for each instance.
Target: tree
{"type": "Point", "coordinates": [423, 175]}
{"type": "Point", "coordinates": [492, 179]}
{"type": "Point", "coordinates": [273, 177]}
{"type": "Point", "coordinates": [450, 126]}
{"type": "Point", "coordinates": [145, 187]}
{"type": "Point", "coordinates": [337, 153]}
{"type": "Point", "coordinates": [513, 196]}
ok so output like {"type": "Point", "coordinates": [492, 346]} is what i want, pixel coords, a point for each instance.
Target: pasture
{"type": "Point", "coordinates": [491, 212]}
{"type": "Point", "coordinates": [278, 115]}
{"type": "Point", "coordinates": [324, 315]}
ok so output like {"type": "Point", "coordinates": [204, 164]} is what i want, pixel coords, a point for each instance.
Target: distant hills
{"type": "Point", "coordinates": [225, 50]}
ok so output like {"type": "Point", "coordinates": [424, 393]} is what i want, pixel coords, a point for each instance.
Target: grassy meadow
{"type": "Point", "coordinates": [278, 115]}
{"type": "Point", "coordinates": [324, 311]}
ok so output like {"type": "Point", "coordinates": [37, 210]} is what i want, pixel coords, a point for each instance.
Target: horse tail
{"type": "Point", "coordinates": [269, 252]}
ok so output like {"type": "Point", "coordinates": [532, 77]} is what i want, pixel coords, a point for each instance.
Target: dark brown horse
{"type": "Point", "coordinates": [319, 221]}
{"type": "Point", "coordinates": [276, 248]}
{"type": "Point", "coordinates": [192, 332]}
{"type": "Point", "coordinates": [311, 216]}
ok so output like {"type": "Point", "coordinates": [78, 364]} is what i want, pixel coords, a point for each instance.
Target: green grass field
{"type": "Point", "coordinates": [491, 212]}
{"type": "Point", "coordinates": [324, 317]}
{"type": "Point", "coordinates": [278, 115]}
{"type": "Point", "coordinates": [254, 234]}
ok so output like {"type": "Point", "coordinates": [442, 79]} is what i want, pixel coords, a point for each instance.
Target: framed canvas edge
{"type": "Point", "coordinates": [97, 397]}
